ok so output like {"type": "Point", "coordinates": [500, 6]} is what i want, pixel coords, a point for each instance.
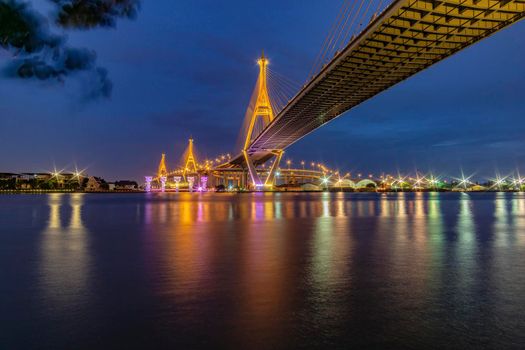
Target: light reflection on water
{"type": "Point", "coordinates": [64, 264]}
{"type": "Point", "coordinates": [265, 270]}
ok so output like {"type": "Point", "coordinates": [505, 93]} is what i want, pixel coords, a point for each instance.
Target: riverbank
{"type": "Point", "coordinates": [65, 191]}
{"type": "Point", "coordinates": [240, 192]}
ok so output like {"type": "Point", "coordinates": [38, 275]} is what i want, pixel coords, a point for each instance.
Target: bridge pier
{"type": "Point", "coordinates": [270, 179]}
{"type": "Point", "coordinates": [148, 183]}
{"type": "Point", "coordinates": [256, 181]}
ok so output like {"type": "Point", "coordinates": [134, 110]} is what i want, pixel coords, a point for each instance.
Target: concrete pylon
{"type": "Point", "coordinates": [263, 109]}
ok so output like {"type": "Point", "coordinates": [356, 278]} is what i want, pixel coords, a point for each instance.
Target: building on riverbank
{"type": "Point", "coordinates": [42, 181]}
{"type": "Point", "coordinates": [126, 185]}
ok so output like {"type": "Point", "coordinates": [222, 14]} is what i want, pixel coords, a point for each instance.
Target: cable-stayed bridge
{"type": "Point", "coordinates": [403, 39]}
{"type": "Point", "coordinates": [372, 45]}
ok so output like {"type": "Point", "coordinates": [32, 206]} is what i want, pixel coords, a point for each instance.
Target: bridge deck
{"type": "Point", "coordinates": [409, 36]}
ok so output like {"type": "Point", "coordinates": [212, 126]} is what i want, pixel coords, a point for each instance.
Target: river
{"type": "Point", "coordinates": [262, 270]}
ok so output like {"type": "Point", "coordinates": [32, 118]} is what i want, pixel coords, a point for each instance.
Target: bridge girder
{"type": "Point", "coordinates": [408, 37]}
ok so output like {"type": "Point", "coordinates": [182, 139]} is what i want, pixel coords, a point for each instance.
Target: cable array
{"type": "Point", "coordinates": [353, 17]}
{"type": "Point", "coordinates": [241, 137]}
{"type": "Point", "coordinates": [281, 90]}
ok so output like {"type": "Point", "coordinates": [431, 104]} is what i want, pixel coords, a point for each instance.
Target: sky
{"type": "Point", "coordinates": [186, 68]}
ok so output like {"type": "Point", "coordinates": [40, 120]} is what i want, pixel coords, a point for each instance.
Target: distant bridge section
{"type": "Point", "coordinates": [407, 37]}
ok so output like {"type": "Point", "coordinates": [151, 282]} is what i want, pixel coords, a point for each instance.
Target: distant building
{"type": "Point", "coordinates": [477, 188]}
{"type": "Point", "coordinates": [126, 185]}
{"type": "Point", "coordinates": [290, 187]}
{"type": "Point", "coordinates": [36, 176]}
{"type": "Point", "coordinates": [42, 181]}
{"type": "Point", "coordinates": [9, 176]}
{"type": "Point", "coordinates": [309, 187]}
{"type": "Point", "coordinates": [96, 184]}
{"type": "Point", "coordinates": [8, 181]}
{"type": "Point", "coordinates": [67, 177]}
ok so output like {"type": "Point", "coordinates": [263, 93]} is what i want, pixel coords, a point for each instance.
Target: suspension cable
{"type": "Point", "coordinates": [328, 39]}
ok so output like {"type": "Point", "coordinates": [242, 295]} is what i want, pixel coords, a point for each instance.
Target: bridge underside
{"type": "Point", "coordinates": [409, 36]}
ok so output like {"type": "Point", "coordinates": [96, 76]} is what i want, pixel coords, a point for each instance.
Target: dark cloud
{"type": "Point", "coordinates": [65, 62]}
{"type": "Point", "coordinates": [39, 54]}
{"type": "Point", "coordinates": [79, 59]}
{"type": "Point", "coordinates": [24, 29]}
{"type": "Point", "coordinates": [98, 85]}
{"type": "Point", "coordinates": [85, 14]}
{"type": "Point", "coordinates": [33, 67]}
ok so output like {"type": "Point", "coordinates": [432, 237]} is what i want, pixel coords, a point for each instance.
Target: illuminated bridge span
{"type": "Point", "coordinates": [191, 175]}
{"type": "Point", "coordinates": [407, 37]}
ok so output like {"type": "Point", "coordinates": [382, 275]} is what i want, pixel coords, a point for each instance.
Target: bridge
{"type": "Point", "coordinates": [397, 41]}
{"type": "Point", "coordinates": [190, 174]}
{"type": "Point", "coordinates": [403, 39]}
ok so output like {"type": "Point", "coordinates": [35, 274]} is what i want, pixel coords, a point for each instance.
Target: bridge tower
{"type": "Point", "coordinates": [262, 109]}
{"type": "Point", "coordinates": [163, 171]}
{"type": "Point", "coordinates": [190, 164]}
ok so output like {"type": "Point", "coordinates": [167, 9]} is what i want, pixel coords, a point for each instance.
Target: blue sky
{"type": "Point", "coordinates": [187, 68]}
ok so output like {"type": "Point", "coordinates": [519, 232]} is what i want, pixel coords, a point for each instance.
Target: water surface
{"type": "Point", "coordinates": [325, 270]}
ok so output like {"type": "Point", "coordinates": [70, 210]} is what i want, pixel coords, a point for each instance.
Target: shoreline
{"type": "Point", "coordinates": [6, 192]}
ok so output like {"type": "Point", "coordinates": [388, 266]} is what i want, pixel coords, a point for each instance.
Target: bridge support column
{"type": "Point", "coordinates": [177, 180]}
{"type": "Point", "coordinates": [271, 175]}
{"type": "Point", "coordinates": [148, 183]}
{"type": "Point", "coordinates": [163, 183]}
{"type": "Point", "coordinates": [256, 181]}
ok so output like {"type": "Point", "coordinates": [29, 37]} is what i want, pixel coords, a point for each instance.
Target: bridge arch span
{"type": "Point", "coordinates": [366, 183]}
{"type": "Point", "coordinates": [346, 183]}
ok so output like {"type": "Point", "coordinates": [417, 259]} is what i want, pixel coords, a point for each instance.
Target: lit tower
{"type": "Point", "coordinates": [190, 160]}
{"type": "Point", "coordinates": [262, 109]}
{"type": "Point", "coordinates": [163, 171]}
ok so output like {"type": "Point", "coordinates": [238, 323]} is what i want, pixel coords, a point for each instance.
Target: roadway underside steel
{"type": "Point", "coordinates": [409, 36]}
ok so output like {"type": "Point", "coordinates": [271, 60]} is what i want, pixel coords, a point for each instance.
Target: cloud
{"type": "Point", "coordinates": [85, 14]}
{"type": "Point", "coordinates": [38, 54]}
{"type": "Point", "coordinates": [23, 29]}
